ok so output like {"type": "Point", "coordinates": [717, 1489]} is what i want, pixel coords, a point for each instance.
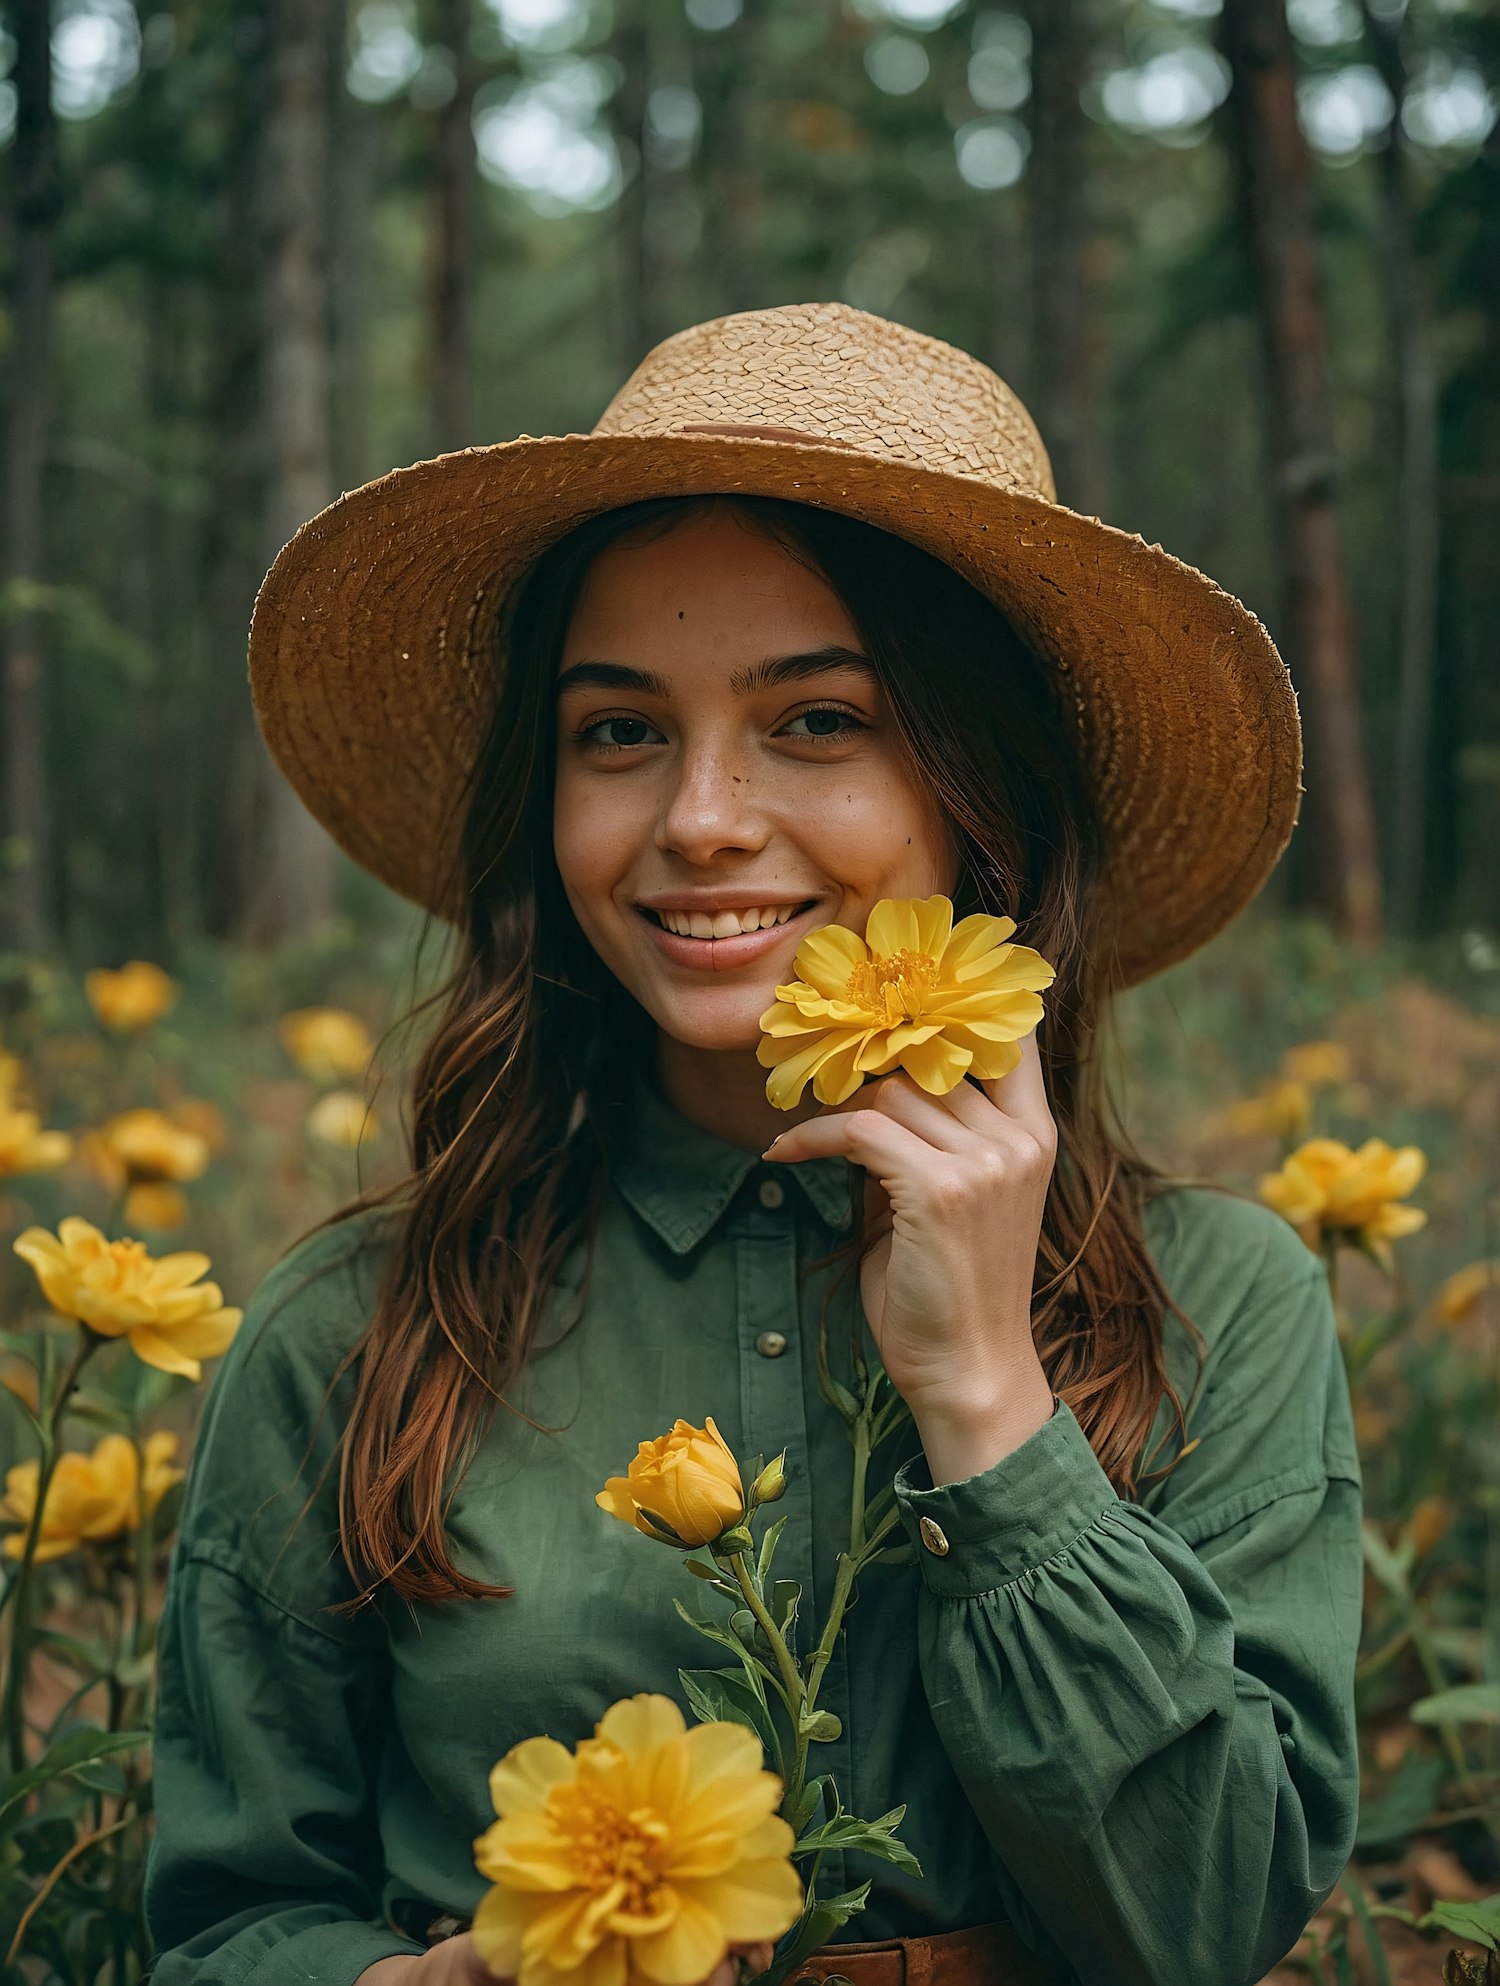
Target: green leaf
{"type": "Point", "coordinates": [1404, 1805]}
{"type": "Point", "coordinates": [715, 1695]}
{"type": "Point", "coordinates": [97, 1409]}
{"type": "Point", "coordinates": [876, 1837]}
{"type": "Point", "coordinates": [1478, 1922]}
{"type": "Point", "coordinates": [818, 1925]}
{"type": "Point", "coordinates": [799, 1814]}
{"type": "Point", "coordinates": [768, 1546]}
{"type": "Point", "coordinates": [63, 1759]}
{"type": "Point", "coordinates": [91, 1661]}
{"type": "Point", "coordinates": [1387, 1566]}
{"type": "Point", "coordinates": [1470, 1703]}
{"type": "Point", "coordinates": [786, 1597]}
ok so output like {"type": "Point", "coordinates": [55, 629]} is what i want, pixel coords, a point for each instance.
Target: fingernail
{"type": "Point", "coordinates": [773, 1144]}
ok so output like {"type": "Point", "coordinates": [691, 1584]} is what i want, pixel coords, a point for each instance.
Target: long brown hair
{"type": "Point", "coordinates": [510, 1164]}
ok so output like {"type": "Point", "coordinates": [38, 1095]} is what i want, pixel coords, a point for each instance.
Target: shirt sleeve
{"type": "Point", "coordinates": [1152, 1710]}
{"type": "Point", "coordinates": [265, 1867]}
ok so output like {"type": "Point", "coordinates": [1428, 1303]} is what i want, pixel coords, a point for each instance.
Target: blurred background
{"type": "Point", "coordinates": [1241, 258]}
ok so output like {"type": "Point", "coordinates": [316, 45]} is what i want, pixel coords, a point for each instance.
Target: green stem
{"type": "Point", "coordinates": [12, 1708]}
{"type": "Point", "coordinates": [1373, 1947]}
{"type": "Point", "coordinates": [792, 1685]}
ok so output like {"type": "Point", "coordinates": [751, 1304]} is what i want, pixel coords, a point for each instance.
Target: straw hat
{"type": "Point", "coordinates": [372, 650]}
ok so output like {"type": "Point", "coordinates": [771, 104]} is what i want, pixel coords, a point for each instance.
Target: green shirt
{"type": "Point", "coordinates": [1127, 1729]}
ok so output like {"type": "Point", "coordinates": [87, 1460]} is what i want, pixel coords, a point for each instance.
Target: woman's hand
{"type": "Point", "coordinates": [456, 1962]}
{"type": "Point", "coordinates": [955, 1188]}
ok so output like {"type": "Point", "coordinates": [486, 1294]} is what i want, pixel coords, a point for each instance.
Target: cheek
{"type": "Point", "coordinates": [588, 843]}
{"type": "Point", "coordinates": [882, 838]}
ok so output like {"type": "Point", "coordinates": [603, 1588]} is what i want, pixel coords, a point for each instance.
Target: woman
{"type": "Point", "coordinates": [797, 629]}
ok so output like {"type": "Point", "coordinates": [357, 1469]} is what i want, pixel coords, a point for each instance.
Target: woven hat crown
{"type": "Point", "coordinates": [826, 373]}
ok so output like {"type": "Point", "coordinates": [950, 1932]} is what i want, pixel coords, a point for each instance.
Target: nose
{"type": "Point", "coordinates": [710, 806]}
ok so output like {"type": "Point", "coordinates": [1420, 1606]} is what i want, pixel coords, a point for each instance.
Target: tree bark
{"type": "Point", "coordinates": [1062, 368]}
{"type": "Point", "coordinates": [1273, 174]}
{"type": "Point", "coordinates": [23, 726]}
{"type": "Point", "coordinates": [290, 886]}
{"type": "Point", "coordinates": [1417, 501]}
{"type": "Point", "coordinates": [454, 189]}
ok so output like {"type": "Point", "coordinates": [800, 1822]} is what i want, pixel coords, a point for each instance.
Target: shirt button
{"type": "Point", "coordinates": [932, 1537]}
{"type": "Point", "coordinates": [772, 1192]}
{"type": "Point", "coordinates": [770, 1344]}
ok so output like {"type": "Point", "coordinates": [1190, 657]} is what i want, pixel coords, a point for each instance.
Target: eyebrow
{"type": "Point", "coordinates": [774, 673]}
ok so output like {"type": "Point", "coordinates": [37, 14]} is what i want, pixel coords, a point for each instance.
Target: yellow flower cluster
{"type": "Point", "coordinates": [1329, 1192]}
{"type": "Point", "coordinates": [116, 1290]}
{"type": "Point", "coordinates": [24, 1145]}
{"type": "Point", "coordinates": [327, 1043]}
{"type": "Point", "coordinates": [91, 1498]}
{"type": "Point", "coordinates": [917, 992]}
{"type": "Point", "coordinates": [130, 1000]}
{"type": "Point", "coordinates": [683, 1488]}
{"type": "Point", "coordinates": [1282, 1107]}
{"type": "Point", "coordinates": [147, 1154]}
{"type": "Point", "coordinates": [342, 1118]}
{"type": "Point", "coordinates": [636, 1861]}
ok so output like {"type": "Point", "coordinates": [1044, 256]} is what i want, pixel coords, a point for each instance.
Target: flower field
{"type": "Point", "coordinates": [164, 1138]}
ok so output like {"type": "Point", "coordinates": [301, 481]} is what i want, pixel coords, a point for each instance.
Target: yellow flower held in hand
{"type": "Point", "coordinates": [90, 1498]}
{"type": "Point", "coordinates": [132, 998]}
{"type": "Point", "coordinates": [917, 992]}
{"type": "Point", "coordinates": [687, 1480]}
{"type": "Point", "coordinates": [642, 1859]}
{"type": "Point", "coordinates": [117, 1290]}
{"type": "Point", "coordinates": [26, 1147]}
{"type": "Point", "coordinates": [327, 1043]}
{"type": "Point", "coordinates": [1328, 1191]}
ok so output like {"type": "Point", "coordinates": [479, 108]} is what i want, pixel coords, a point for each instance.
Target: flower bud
{"type": "Point", "coordinates": [770, 1485]}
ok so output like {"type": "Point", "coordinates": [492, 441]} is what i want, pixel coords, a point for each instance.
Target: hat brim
{"type": "Point", "coordinates": [373, 667]}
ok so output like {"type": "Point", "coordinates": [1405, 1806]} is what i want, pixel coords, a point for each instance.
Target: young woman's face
{"type": "Point", "coordinates": [728, 775]}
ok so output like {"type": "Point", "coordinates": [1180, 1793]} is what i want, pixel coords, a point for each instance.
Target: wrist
{"type": "Point", "coordinates": [964, 1432]}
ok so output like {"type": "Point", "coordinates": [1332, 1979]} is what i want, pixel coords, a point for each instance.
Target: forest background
{"type": "Point", "coordinates": [1241, 258]}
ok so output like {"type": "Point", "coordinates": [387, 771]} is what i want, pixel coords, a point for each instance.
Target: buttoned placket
{"type": "Point", "coordinates": [776, 1321]}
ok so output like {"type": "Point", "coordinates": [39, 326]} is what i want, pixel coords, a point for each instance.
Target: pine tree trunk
{"type": "Point", "coordinates": [23, 726]}
{"type": "Point", "coordinates": [1417, 512]}
{"type": "Point", "coordinates": [1062, 369]}
{"type": "Point", "coordinates": [1273, 173]}
{"type": "Point", "coordinates": [291, 880]}
{"type": "Point", "coordinates": [454, 191]}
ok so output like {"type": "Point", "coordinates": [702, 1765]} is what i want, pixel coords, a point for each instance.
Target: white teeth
{"type": "Point", "coordinates": [724, 923]}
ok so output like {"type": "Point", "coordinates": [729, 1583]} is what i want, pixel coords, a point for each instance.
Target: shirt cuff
{"type": "Point", "coordinates": [1008, 1519]}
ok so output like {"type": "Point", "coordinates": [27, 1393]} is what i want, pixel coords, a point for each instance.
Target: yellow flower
{"type": "Point", "coordinates": [1317, 1064]}
{"type": "Point", "coordinates": [639, 1861]}
{"type": "Point", "coordinates": [1327, 1191]}
{"type": "Point", "coordinates": [1282, 1108]}
{"type": "Point", "coordinates": [91, 1497]}
{"type": "Point", "coordinates": [26, 1147]}
{"type": "Point", "coordinates": [327, 1043]}
{"type": "Point", "coordinates": [132, 998]}
{"type": "Point", "coordinates": [687, 1481]}
{"type": "Point", "coordinates": [204, 1119]}
{"type": "Point", "coordinates": [115, 1289]}
{"type": "Point", "coordinates": [917, 992]}
{"type": "Point", "coordinates": [12, 1079]}
{"type": "Point", "coordinates": [19, 1376]}
{"type": "Point", "coordinates": [342, 1117]}
{"type": "Point", "coordinates": [144, 1146]}
{"type": "Point", "coordinates": [1461, 1295]}
{"type": "Point", "coordinates": [155, 1204]}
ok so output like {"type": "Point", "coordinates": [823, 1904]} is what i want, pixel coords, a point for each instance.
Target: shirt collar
{"type": "Point", "coordinates": [680, 1178]}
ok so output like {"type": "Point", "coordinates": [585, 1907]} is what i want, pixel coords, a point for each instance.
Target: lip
{"type": "Point", "coordinates": [725, 954]}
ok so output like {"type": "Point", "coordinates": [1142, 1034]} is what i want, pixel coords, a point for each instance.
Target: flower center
{"type": "Point", "coordinates": [607, 1847]}
{"type": "Point", "coordinates": [126, 1259]}
{"type": "Point", "coordinates": [893, 988]}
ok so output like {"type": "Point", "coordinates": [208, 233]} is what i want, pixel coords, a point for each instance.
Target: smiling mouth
{"type": "Point", "coordinates": [726, 923]}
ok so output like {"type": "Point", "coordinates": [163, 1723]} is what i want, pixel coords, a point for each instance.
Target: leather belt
{"type": "Point", "coordinates": [989, 1955]}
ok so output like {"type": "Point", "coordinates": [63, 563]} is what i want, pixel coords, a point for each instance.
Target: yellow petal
{"type": "Point", "coordinates": [972, 941]}
{"type": "Point", "coordinates": [938, 1066]}
{"type": "Point", "coordinates": [687, 1951]}
{"type": "Point", "coordinates": [754, 1899]}
{"type": "Point", "coordinates": [790, 1072]}
{"type": "Point", "coordinates": [994, 1059]}
{"type": "Point", "coordinates": [639, 1723]}
{"type": "Point", "coordinates": [151, 1348]}
{"type": "Point", "coordinates": [497, 1929]}
{"type": "Point", "coordinates": [838, 1075]}
{"type": "Point", "coordinates": [526, 1775]}
{"type": "Point", "coordinates": [826, 957]}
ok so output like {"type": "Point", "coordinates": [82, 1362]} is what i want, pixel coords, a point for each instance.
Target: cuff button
{"type": "Point", "coordinates": [932, 1537]}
